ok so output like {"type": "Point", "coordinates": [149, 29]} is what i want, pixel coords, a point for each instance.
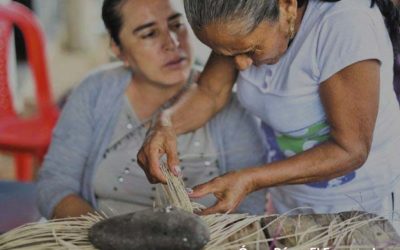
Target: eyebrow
{"type": "Point", "coordinates": [174, 16]}
{"type": "Point", "coordinates": [148, 25]}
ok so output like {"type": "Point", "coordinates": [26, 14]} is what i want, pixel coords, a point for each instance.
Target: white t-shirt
{"type": "Point", "coordinates": [285, 96]}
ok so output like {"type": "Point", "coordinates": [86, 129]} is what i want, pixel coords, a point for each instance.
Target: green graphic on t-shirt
{"type": "Point", "coordinates": [299, 141]}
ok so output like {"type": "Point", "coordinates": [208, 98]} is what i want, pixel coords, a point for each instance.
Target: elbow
{"type": "Point", "coordinates": [357, 155]}
{"type": "Point", "coordinates": [355, 149]}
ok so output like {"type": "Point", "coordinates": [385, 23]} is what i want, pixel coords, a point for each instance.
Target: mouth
{"type": "Point", "coordinates": [176, 62]}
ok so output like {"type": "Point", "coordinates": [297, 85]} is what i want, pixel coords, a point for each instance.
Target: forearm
{"type": "Point", "coordinates": [324, 162]}
{"type": "Point", "coordinates": [201, 102]}
{"type": "Point", "coordinates": [72, 206]}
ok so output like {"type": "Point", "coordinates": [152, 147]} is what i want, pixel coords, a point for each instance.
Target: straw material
{"type": "Point", "coordinates": [228, 231]}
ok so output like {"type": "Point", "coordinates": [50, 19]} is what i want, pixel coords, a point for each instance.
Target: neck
{"type": "Point", "coordinates": [300, 15]}
{"type": "Point", "coordinates": [146, 97]}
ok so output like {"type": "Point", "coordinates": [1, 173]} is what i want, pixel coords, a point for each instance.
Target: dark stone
{"type": "Point", "coordinates": [153, 229]}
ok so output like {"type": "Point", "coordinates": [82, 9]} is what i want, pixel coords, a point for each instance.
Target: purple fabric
{"type": "Point", "coordinates": [274, 152]}
{"type": "Point", "coordinates": [396, 82]}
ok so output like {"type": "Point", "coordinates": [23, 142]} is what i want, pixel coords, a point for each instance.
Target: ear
{"type": "Point", "coordinates": [117, 50]}
{"type": "Point", "coordinates": [288, 9]}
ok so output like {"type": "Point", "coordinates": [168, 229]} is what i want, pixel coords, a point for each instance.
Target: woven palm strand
{"type": "Point", "coordinates": [227, 231]}
{"type": "Point", "coordinates": [72, 234]}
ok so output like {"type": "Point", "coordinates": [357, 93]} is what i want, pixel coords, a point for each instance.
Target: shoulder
{"type": "Point", "coordinates": [106, 76]}
{"type": "Point", "coordinates": [101, 85]}
{"type": "Point", "coordinates": [98, 94]}
{"type": "Point", "coordinates": [327, 9]}
{"type": "Point", "coordinates": [352, 31]}
{"type": "Point", "coordinates": [352, 13]}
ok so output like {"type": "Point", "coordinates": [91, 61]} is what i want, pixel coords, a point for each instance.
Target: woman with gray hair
{"type": "Point", "coordinates": [319, 74]}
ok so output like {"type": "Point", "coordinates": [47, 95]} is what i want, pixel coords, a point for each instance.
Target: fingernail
{"type": "Point", "coordinates": [189, 190]}
{"type": "Point", "coordinates": [178, 170]}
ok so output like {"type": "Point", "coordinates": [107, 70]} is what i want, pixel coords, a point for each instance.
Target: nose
{"type": "Point", "coordinates": [243, 62]}
{"type": "Point", "coordinates": [171, 41]}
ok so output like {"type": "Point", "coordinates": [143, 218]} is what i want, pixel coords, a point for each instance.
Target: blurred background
{"type": "Point", "coordinates": [76, 42]}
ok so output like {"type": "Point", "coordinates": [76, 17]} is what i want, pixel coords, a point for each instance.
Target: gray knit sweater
{"type": "Point", "coordinates": [88, 121]}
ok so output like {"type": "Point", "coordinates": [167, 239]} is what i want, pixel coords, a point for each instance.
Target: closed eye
{"type": "Point", "coordinates": [150, 34]}
{"type": "Point", "coordinates": [177, 25]}
{"type": "Point", "coordinates": [250, 53]}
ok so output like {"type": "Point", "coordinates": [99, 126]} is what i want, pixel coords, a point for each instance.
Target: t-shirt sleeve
{"type": "Point", "coordinates": [344, 39]}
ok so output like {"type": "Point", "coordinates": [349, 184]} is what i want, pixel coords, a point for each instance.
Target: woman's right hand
{"type": "Point", "coordinates": [160, 140]}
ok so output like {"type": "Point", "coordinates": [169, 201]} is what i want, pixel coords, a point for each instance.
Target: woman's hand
{"type": "Point", "coordinates": [230, 189]}
{"type": "Point", "coordinates": [72, 206]}
{"type": "Point", "coordinates": [193, 109]}
{"type": "Point", "coordinates": [160, 140]}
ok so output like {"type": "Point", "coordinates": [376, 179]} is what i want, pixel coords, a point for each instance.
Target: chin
{"type": "Point", "coordinates": [175, 79]}
{"type": "Point", "coordinates": [178, 76]}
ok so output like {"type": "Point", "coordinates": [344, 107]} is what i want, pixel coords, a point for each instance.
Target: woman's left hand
{"type": "Point", "coordinates": [230, 189]}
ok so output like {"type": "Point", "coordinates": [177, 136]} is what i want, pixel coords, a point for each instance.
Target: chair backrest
{"type": "Point", "coordinates": [20, 16]}
{"type": "Point", "coordinates": [6, 106]}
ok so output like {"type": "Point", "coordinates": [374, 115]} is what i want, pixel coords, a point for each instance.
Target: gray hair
{"type": "Point", "coordinates": [250, 13]}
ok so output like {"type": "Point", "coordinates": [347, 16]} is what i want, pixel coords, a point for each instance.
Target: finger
{"type": "Point", "coordinates": [151, 179]}
{"type": "Point", "coordinates": [172, 156]}
{"type": "Point", "coordinates": [154, 165]}
{"type": "Point", "coordinates": [143, 163]}
{"type": "Point", "coordinates": [147, 168]}
{"type": "Point", "coordinates": [155, 175]}
{"type": "Point", "coordinates": [141, 158]}
{"type": "Point", "coordinates": [219, 207]}
{"type": "Point", "coordinates": [202, 189]}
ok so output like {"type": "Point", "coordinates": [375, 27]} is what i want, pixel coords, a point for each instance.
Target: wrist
{"type": "Point", "coordinates": [165, 119]}
{"type": "Point", "coordinates": [246, 177]}
{"type": "Point", "coordinates": [253, 178]}
{"type": "Point", "coordinates": [164, 122]}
